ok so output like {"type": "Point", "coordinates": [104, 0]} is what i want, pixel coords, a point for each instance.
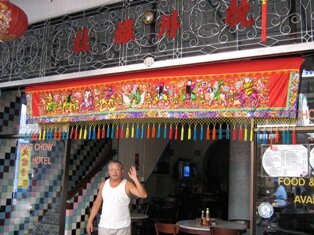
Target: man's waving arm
{"type": "Point", "coordinates": [135, 188]}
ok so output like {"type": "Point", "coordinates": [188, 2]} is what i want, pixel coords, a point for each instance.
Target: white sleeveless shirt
{"type": "Point", "coordinates": [115, 212]}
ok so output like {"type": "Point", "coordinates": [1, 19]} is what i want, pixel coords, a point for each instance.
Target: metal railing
{"type": "Point", "coordinates": [201, 28]}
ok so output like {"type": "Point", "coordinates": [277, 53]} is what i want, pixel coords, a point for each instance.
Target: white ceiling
{"type": "Point", "coordinates": [40, 10]}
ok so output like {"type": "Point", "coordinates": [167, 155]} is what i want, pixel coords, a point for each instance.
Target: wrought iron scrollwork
{"type": "Point", "coordinates": [47, 48]}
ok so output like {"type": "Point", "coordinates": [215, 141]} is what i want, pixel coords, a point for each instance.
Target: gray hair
{"type": "Point", "coordinates": [117, 162]}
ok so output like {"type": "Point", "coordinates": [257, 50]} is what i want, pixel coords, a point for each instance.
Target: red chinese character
{"type": "Point", "coordinates": [124, 32]}
{"type": "Point", "coordinates": [237, 14]}
{"type": "Point", "coordinates": [169, 25]}
{"type": "Point", "coordinates": [81, 41]}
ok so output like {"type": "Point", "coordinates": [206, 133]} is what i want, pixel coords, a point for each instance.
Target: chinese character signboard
{"type": "Point", "coordinates": [24, 166]}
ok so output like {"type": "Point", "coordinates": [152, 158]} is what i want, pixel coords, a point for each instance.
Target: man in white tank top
{"type": "Point", "coordinates": [114, 196]}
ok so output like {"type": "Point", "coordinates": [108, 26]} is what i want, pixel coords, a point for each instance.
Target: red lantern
{"type": "Point", "coordinates": [13, 21]}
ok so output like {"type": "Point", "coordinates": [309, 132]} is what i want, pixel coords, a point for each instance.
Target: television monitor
{"type": "Point", "coordinates": [185, 170]}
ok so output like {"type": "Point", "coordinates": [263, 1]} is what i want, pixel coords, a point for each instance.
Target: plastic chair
{"type": "Point", "coordinates": [224, 231]}
{"type": "Point", "coordinates": [165, 228]}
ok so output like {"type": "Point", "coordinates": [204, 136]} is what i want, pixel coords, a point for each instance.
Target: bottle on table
{"type": "Point", "coordinates": [202, 218]}
{"type": "Point", "coordinates": [207, 218]}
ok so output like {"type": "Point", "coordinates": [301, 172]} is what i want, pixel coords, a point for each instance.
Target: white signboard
{"type": "Point", "coordinates": [286, 161]}
{"type": "Point", "coordinates": [312, 158]}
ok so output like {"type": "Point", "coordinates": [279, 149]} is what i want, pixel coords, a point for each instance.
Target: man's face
{"type": "Point", "coordinates": [115, 171]}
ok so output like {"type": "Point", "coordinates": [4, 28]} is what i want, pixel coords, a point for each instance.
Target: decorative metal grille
{"type": "Point", "coordinates": [47, 48]}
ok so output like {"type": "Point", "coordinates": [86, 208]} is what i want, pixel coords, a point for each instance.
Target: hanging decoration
{"type": "Point", "coordinates": [264, 21]}
{"type": "Point", "coordinates": [276, 131]}
{"type": "Point", "coordinates": [266, 88]}
{"type": "Point", "coordinates": [240, 129]}
{"type": "Point", "coordinates": [196, 103]}
{"type": "Point", "coordinates": [13, 23]}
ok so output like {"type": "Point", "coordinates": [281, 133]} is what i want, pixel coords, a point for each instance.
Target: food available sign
{"type": "Point", "coordinates": [307, 184]}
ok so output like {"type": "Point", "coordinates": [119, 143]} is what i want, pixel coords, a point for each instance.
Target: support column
{"type": "Point", "coordinates": [239, 180]}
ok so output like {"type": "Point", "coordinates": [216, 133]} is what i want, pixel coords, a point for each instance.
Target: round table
{"type": "Point", "coordinates": [194, 226]}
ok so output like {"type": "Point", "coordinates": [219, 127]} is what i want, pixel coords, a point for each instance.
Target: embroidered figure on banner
{"type": "Point", "coordinates": [190, 90]}
{"type": "Point", "coordinates": [105, 99]}
{"type": "Point", "coordinates": [88, 101]}
{"type": "Point", "coordinates": [51, 104]}
{"type": "Point", "coordinates": [109, 98]}
{"type": "Point", "coordinates": [248, 96]}
{"type": "Point", "coordinates": [162, 91]}
{"type": "Point", "coordinates": [133, 96]}
{"type": "Point", "coordinates": [68, 105]}
{"type": "Point", "coordinates": [216, 94]}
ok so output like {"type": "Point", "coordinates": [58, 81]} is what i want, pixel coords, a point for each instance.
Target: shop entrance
{"type": "Point", "coordinates": [285, 187]}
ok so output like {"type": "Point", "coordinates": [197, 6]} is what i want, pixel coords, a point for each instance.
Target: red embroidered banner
{"type": "Point", "coordinates": [257, 88]}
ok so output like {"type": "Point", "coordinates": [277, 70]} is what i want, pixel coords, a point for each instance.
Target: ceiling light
{"type": "Point", "coordinates": [148, 17]}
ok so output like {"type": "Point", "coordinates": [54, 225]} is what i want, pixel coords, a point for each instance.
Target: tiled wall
{"type": "Point", "coordinates": [20, 212]}
{"type": "Point", "coordinates": [10, 102]}
{"type": "Point", "coordinates": [10, 107]}
{"type": "Point", "coordinates": [78, 207]}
